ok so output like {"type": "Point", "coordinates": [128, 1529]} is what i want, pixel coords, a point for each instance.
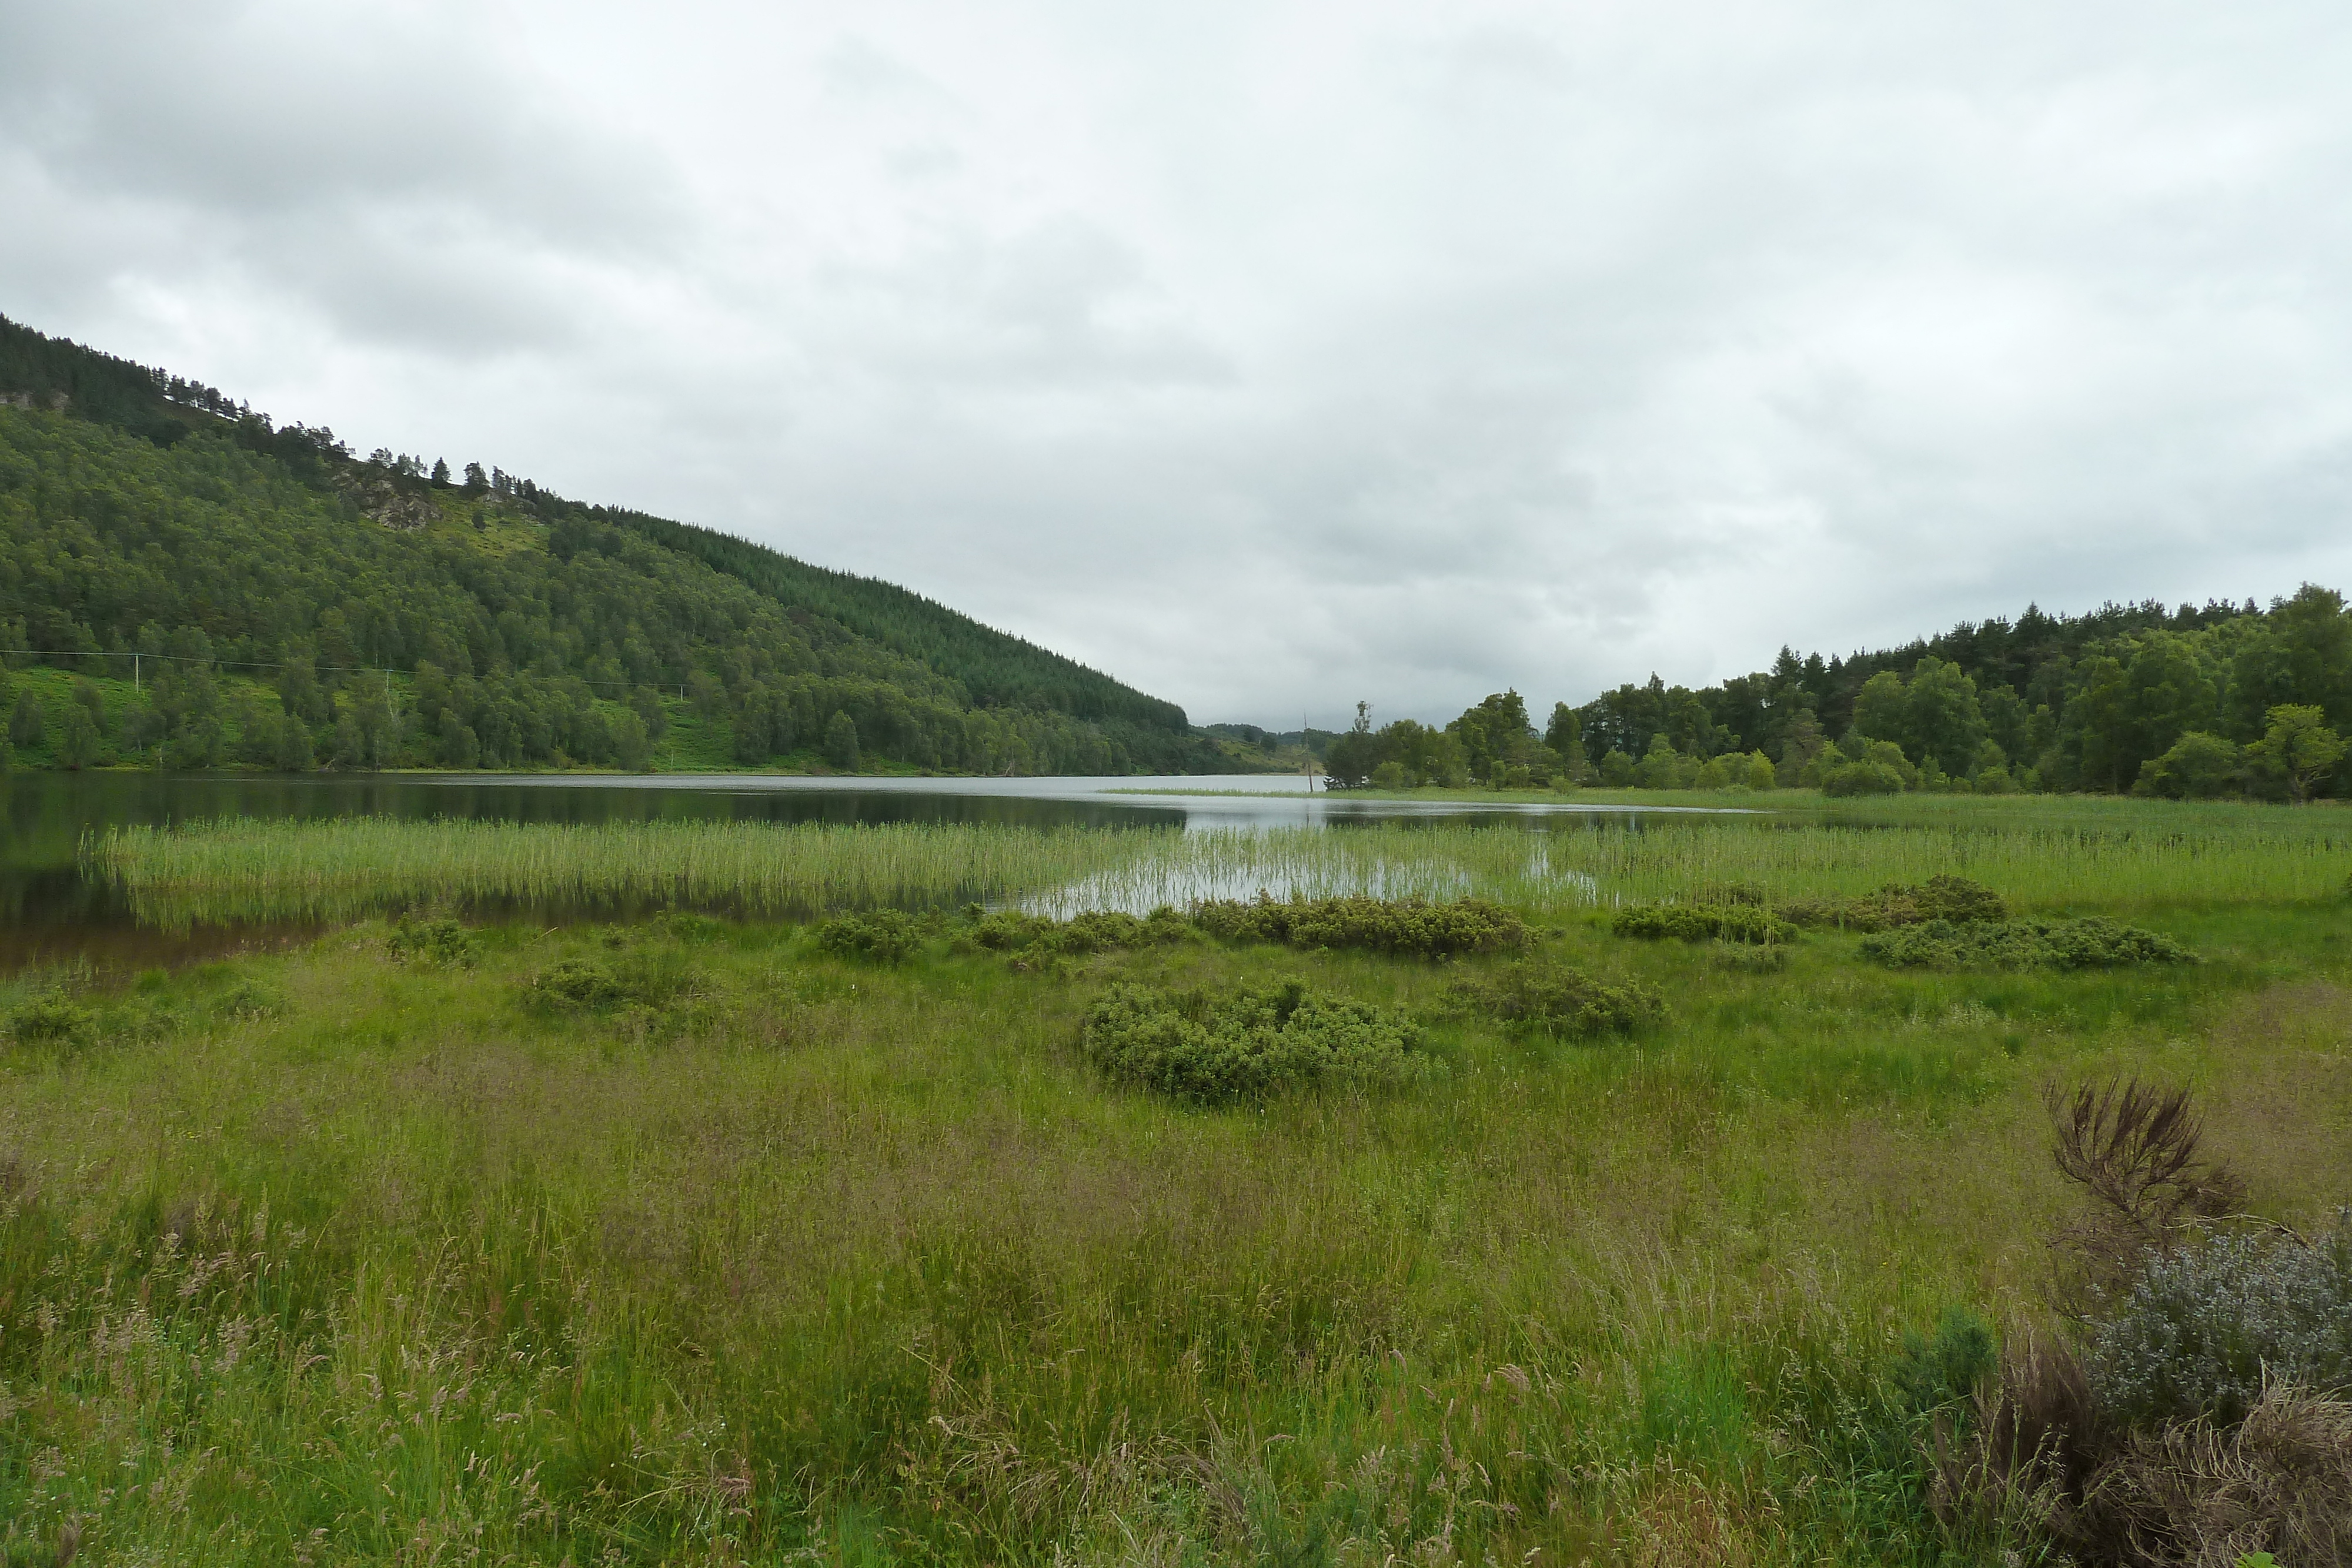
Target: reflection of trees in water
{"type": "Point", "coordinates": [49, 910]}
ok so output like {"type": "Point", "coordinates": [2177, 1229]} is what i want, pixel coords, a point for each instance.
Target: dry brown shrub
{"type": "Point", "coordinates": [2024, 1467]}
{"type": "Point", "coordinates": [2136, 1149]}
{"type": "Point", "coordinates": [2201, 1495]}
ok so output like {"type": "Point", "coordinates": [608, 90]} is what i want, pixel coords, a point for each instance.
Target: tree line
{"type": "Point", "coordinates": [2197, 703]}
{"type": "Point", "coordinates": [142, 514]}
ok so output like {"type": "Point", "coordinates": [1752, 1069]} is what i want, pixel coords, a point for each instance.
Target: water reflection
{"type": "Point", "coordinates": [49, 910]}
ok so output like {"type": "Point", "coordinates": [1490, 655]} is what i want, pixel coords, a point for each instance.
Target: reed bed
{"type": "Point", "coordinates": [2045, 854]}
{"type": "Point", "coordinates": [2137, 856]}
{"type": "Point", "coordinates": [241, 869]}
{"type": "Point", "coordinates": [2145, 856]}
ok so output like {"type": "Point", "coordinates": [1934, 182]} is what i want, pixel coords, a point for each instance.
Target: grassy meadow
{"type": "Point", "coordinates": [372, 1251]}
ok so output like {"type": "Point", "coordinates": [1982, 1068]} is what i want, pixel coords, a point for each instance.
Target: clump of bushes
{"type": "Point", "coordinates": [1412, 926]}
{"type": "Point", "coordinates": [1702, 922]}
{"type": "Point", "coordinates": [438, 943]}
{"type": "Point", "coordinates": [1956, 900]}
{"type": "Point", "coordinates": [1099, 931]}
{"type": "Point", "coordinates": [650, 979]}
{"type": "Point", "coordinates": [50, 1018]}
{"type": "Point", "coordinates": [1217, 1047]}
{"type": "Point", "coordinates": [2093, 943]}
{"type": "Point", "coordinates": [2201, 1410]}
{"type": "Point", "coordinates": [1554, 1000]}
{"type": "Point", "coordinates": [877, 936]}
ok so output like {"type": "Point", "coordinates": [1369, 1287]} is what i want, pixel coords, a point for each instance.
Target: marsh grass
{"type": "Point", "coordinates": [798, 1258]}
{"type": "Point", "coordinates": [2116, 856]}
{"type": "Point", "coordinates": [353, 868]}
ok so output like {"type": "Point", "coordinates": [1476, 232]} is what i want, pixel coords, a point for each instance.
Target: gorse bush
{"type": "Point", "coordinates": [2206, 1325]}
{"type": "Point", "coordinates": [1554, 1000]}
{"type": "Point", "coordinates": [1405, 925]}
{"type": "Point", "coordinates": [1956, 900]}
{"type": "Point", "coordinates": [1702, 923]}
{"type": "Point", "coordinates": [2093, 943]}
{"type": "Point", "coordinates": [443, 943]}
{"type": "Point", "coordinates": [1098, 931]}
{"type": "Point", "coordinates": [878, 936]}
{"type": "Point", "coordinates": [1213, 1047]}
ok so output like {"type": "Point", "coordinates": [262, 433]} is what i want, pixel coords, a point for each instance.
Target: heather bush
{"type": "Point", "coordinates": [2093, 943]}
{"type": "Point", "coordinates": [1407, 926]}
{"type": "Point", "coordinates": [880, 936]}
{"type": "Point", "coordinates": [1554, 1000]}
{"type": "Point", "coordinates": [1213, 1047]}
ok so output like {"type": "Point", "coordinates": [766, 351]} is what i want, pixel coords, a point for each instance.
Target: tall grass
{"type": "Point", "coordinates": [2039, 854]}
{"type": "Point", "coordinates": [326, 1255]}
{"type": "Point", "coordinates": [839, 1263]}
{"type": "Point", "coordinates": [351, 868]}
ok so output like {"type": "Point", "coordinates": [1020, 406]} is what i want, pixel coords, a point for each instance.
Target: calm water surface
{"type": "Point", "coordinates": [49, 911]}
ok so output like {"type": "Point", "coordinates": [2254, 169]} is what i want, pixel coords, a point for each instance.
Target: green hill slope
{"type": "Point", "coordinates": [293, 604]}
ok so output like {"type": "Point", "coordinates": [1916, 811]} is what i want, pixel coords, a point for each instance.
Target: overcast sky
{"type": "Point", "coordinates": [1272, 356]}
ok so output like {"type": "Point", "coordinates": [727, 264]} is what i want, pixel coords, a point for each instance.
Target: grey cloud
{"type": "Point", "coordinates": [1292, 354]}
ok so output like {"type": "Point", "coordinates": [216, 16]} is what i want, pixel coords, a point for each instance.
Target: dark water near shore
{"type": "Point", "coordinates": [50, 912]}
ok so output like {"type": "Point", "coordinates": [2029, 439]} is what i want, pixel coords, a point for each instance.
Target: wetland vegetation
{"type": "Point", "coordinates": [802, 1214]}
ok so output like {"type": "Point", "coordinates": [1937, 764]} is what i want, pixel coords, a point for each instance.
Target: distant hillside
{"type": "Point", "coordinates": [295, 604]}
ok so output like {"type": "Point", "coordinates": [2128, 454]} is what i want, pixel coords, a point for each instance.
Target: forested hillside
{"type": "Point", "coordinates": [2223, 700]}
{"type": "Point", "coordinates": [294, 605]}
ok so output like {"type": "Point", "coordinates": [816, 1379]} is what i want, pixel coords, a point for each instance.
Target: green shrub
{"type": "Point", "coordinates": [248, 998]}
{"type": "Point", "coordinates": [1215, 1048]}
{"type": "Point", "coordinates": [51, 1017]}
{"type": "Point", "coordinates": [1702, 923]}
{"type": "Point", "coordinates": [1863, 778]}
{"type": "Point", "coordinates": [2204, 1325]}
{"type": "Point", "coordinates": [1941, 1370]}
{"type": "Point", "coordinates": [642, 978]}
{"type": "Point", "coordinates": [1955, 899]}
{"type": "Point", "coordinates": [2095, 943]}
{"type": "Point", "coordinates": [440, 944]}
{"type": "Point", "coordinates": [1554, 1000]}
{"type": "Point", "coordinates": [880, 936]}
{"type": "Point", "coordinates": [1413, 925]}
{"type": "Point", "coordinates": [1093, 932]}
{"type": "Point", "coordinates": [686, 925]}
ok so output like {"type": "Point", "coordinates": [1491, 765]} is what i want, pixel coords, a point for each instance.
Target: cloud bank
{"type": "Point", "coordinates": [1273, 356]}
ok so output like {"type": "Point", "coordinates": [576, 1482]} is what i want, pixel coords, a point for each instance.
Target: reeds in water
{"type": "Point", "coordinates": [245, 870]}
{"type": "Point", "coordinates": [2122, 855]}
